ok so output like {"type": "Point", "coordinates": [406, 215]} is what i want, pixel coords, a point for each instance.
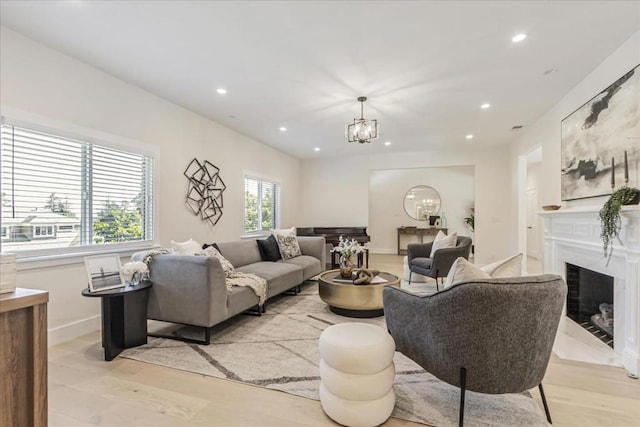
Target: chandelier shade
{"type": "Point", "coordinates": [362, 130]}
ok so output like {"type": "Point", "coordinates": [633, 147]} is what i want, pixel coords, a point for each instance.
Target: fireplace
{"type": "Point", "coordinates": [590, 301]}
{"type": "Point", "coordinates": [572, 236]}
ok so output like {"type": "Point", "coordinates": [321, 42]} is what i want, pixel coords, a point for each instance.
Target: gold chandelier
{"type": "Point", "coordinates": [362, 130]}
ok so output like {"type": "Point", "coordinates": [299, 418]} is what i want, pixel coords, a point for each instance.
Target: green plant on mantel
{"type": "Point", "coordinates": [610, 216]}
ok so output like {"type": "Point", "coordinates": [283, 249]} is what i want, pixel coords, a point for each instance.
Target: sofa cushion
{"type": "Point", "coordinates": [240, 252]}
{"type": "Point", "coordinates": [269, 250]}
{"type": "Point", "coordinates": [310, 265]}
{"type": "Point", "coordinates": [239, 298]}
{"type": "Point", "coordinates": [422, 262]}
{"type": "Point", "coordinates": [280, 276]}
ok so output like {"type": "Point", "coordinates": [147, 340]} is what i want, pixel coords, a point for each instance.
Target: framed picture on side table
{"type": "Point", "coordinates": [104, 272]}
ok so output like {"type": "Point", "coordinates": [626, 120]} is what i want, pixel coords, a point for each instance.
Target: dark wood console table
{"type": "Point", "coordinates": [124, 317]}
{"type": "Point", "coordinates": [420, 232]}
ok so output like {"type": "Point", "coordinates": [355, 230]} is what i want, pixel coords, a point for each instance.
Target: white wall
{"type": "Point", "coordinates": [336, 191]}
{"type": "Point", "coordinates": [39, 81]}
{"type": "Point", "coordinates": [546, 130]}
{"type": "Point", "coordinates": [388, 187]}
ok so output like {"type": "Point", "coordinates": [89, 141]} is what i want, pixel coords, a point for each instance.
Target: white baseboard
{"type": "Point", "coordinates": [393, 251]}
{"type": "Point", "coordinates": [73, 330]}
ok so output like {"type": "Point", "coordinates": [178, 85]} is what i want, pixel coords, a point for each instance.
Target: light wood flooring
{"type": "Point", "coordinates": [84, 390]}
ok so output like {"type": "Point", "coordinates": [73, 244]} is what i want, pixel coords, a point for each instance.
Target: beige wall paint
{"type": "Point", "coordinates": [545, 131]}
{"type": "Point", "coordinates": [39, 81]}
{"type": "Point", "coordinates": [387, 190]}
{"type": "Point", "coordinates": [336, 191]}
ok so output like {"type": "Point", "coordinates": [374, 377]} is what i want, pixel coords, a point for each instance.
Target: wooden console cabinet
{"type": "Point", "coordinates": [23, 358]}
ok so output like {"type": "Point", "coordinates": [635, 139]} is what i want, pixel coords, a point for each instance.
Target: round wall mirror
{"type": "Point", "coordinates": [421, 202]}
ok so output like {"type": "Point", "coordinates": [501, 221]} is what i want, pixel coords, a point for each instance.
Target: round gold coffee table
{"type": "Point", "coordinates": [347, 299]}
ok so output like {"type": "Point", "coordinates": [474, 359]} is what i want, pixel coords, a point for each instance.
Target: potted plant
{"type": "Point", "coordinates": [471, 222]}
{"type": "Point", "coordinates": [347, 248]}
{"type": "Point", "coordinates": [610, 215]}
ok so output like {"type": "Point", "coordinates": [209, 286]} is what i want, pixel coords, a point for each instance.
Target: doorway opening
{"type": "Point", "coordinates": [529, 223]}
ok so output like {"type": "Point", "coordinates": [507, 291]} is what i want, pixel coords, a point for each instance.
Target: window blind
{"type": "Point", "coordinates": [59, 192]}
{"type": "Point", "coordinates": [261, 205]}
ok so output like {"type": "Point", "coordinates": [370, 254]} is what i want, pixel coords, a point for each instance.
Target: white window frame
{"type": "Point", "coordinates": [42, 258]}
{"type": "Point", "coordinates": [261, 178]}
{"type": "Point", "coordinates": [48, 231]}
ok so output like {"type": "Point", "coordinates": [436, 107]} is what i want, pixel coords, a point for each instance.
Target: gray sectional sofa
{"type": "Point", "coordinates": [191, 290]}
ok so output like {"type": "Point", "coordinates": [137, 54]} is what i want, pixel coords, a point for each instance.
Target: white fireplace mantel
{"type": "Point", "coordinates": [573, 236]}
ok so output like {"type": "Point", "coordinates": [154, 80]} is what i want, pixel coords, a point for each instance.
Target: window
{"type": "Point", "coordinates": [95, 194]}
{"type": "Point", "coordinates": [43, 231]}
{"type": "Point", "coordinates": [261, 205]}
{"type": "Point", "coordinates": [3, 231]}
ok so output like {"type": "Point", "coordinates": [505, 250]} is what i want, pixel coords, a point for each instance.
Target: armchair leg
{"type": "Point", "coordinates": [410, 276]}
{"type": "Point", "coordinates": [463, 386]}
{"type": "Point", "coordinates": [544, 402]}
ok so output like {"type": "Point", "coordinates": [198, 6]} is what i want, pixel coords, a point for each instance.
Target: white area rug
{"type": "Point", "coordinates": [279, 350]}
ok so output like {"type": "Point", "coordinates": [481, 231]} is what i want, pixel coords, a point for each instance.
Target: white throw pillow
{"type": "Point", "coordinates": [443, 241]}
{"type": "Point", "coordinates": [190, 247]}
{"type": "Point", "coordinates": [508, 267]}
{"type": "Point", "coordinates": [462, 271]}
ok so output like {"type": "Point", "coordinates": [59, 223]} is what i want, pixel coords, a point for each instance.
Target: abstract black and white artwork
{"type": "Point", "coordinates": [204, 191]}
{"type": "Point", "coordinates": [599, 131]}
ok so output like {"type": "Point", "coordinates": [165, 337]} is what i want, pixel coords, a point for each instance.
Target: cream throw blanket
{"type": "Point", "coordinates": [232, 277]}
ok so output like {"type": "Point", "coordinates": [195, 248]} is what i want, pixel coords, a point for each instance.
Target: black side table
{"type": "Point", "coordinates": [124, 317]}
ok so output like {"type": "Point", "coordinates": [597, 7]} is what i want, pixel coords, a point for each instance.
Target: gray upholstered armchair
{"type": "Point", "coordinates": [489, 336]}
{"type": "Point", "coordinates": [419, 260]}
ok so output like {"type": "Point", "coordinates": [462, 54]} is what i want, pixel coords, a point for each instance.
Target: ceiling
{"type": "Point", "coordinates": [426, 67]}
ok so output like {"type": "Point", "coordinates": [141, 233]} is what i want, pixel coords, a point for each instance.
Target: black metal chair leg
{"type": "Point", "coordinates": [463, 386]}
{"type": "Point", "coordinates": [410, 276]}
{"type": "Point", "coordinates": [544, 402]}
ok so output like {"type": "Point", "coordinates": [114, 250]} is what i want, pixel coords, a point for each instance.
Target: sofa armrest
{"type": "Point", "coordinates": [187, 289]}
{"type": "Point", "coordinates": [313, 246]}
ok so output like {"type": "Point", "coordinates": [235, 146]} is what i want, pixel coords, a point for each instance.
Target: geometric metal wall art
{"type": "Point", "coordinates": [204, 193]}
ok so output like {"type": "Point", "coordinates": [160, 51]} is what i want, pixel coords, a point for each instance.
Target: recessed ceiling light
{"type": "Point", "coordinates": [519, 37]}
{"type": "Point", "coordinates": [469, 136]}
{"type": "Point", "coordinates": [316, 149]}
{"type": "Point", "coordinates": [485, 106]}
{"type": "Point", "coordinates": [221, 91]}
{"type": "Point", "coordinates": [387, 143]}
{"type": "Point", "coordinates": [283, 129]}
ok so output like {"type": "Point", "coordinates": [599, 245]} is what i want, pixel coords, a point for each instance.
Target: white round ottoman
{"type": "Point", "coordinates": [415, 277]}
{"type": "Point", "coordinates": [356, 374]}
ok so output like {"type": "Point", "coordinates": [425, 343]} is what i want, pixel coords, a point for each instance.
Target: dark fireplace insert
{"type": "Point", "coordinates": [590, 301]}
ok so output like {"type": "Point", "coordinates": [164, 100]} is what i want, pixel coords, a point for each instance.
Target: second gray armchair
{"type": "Point", "coordinates": [420, 260]}
{"type": "Point", "coordinates": [489, 335]}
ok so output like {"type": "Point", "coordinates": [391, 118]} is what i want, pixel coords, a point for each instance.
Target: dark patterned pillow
{"type": "Point", "coordinates": [269, 250]}
{"type": "Point", "coordinates": [288, 245]}
{"type": "Point", "coordinates": [215, 245]}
